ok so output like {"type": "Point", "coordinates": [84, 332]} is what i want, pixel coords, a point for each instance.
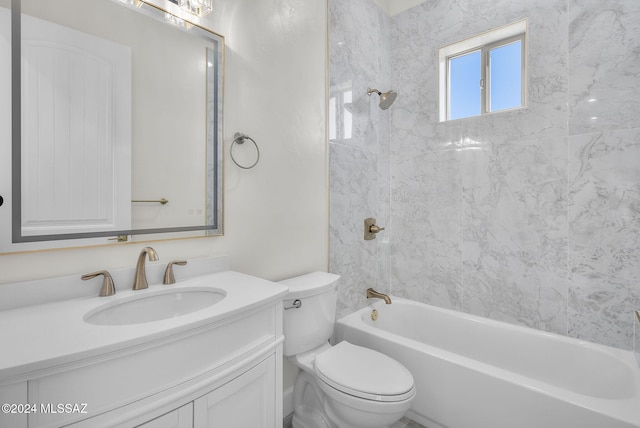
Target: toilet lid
{"type": "Point", "coordinates": [364, 373]}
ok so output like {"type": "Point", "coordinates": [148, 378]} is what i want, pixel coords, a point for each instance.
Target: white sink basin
{"type": "Point", "coordinates": [154, 306]}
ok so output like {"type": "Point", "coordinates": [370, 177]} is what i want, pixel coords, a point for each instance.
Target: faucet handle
{"type": "Point", "coordinates": [168, 273]}
{"type": "Point", "coordinates": [108, 289]}
{"type": "Point", "coordinates": [370, 229]}
{"type": "Point", "coordinates": [375, 229]}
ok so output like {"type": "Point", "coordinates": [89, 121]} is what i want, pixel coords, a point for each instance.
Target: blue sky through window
{"type": "Point", "coordinates": [506, 76]}
{"type": "Point", "coordinates": [464, 85]}
{"type": "Point", "coordinates": [505, 81]}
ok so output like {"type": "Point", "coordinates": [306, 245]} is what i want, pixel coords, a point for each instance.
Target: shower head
{"type": "Point", "coordinates": [386, 99]}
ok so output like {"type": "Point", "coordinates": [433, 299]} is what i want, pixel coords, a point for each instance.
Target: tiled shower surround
{"type": "Point", "coordinates": [529, 216]}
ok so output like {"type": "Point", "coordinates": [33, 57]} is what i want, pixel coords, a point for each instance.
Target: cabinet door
{"type": "Point", "coordinates": [179, 418]}
{"type": "Point", "coordinates": [15, 394]}
{"type": "Point", "coordinates": [246, 401]}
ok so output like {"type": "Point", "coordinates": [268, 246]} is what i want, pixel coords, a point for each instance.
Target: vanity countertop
{"type": "Point", "coordinates": [39, 337]}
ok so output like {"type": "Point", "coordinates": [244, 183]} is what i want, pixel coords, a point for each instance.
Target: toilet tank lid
{"type": "Point", "coordinates": [310, 284]}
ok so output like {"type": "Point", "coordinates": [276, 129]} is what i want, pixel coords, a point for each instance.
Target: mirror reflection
{"type": "Point", "coordinates": [119, 110]}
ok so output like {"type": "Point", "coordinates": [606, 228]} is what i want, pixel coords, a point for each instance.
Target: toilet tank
{"type": "Point", "coordinates": [311, 324]}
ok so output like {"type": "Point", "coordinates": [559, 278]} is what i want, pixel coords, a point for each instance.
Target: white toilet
{"type": "Point", "coordinates": [341, 386]}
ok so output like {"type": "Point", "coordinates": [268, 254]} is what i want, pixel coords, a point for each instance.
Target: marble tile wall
{"type": "Point", "coordinates": [479, 204]}
{"type": "Point", "coordinates": [528, 216]}
{"type": "Point", "coordinates": [359, 40]}
{"type": "Point", "coordinates": [604, 169]}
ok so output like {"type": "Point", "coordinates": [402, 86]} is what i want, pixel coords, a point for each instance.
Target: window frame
{"type": "Point", "coordinates": [485, 43]}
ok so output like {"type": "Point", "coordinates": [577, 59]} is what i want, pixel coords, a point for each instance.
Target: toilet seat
{"type": "Point", "coordinates": [364, 373]}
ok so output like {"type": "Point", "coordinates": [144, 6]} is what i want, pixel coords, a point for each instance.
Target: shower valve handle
{"type": "Point", "coordinates": [375, 229]}
{"type": "Point", "coordinates": [370, 229]}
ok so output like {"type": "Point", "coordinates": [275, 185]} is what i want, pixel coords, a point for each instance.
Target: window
{"type": "Point", "coordinates": [483, 74]}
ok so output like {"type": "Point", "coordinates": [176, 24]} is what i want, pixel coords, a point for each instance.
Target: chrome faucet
{"type": "Point", "coordinates": [373, 293]}
{"type": "Point", "coordinates": [140, 280]}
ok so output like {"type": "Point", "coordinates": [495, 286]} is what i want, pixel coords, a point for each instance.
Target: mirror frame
{"type": "Point", "coordinates": [214, 115]}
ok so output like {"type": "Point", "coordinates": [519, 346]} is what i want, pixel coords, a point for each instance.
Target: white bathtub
{"type": "Point", "coordinates": [472, 372]}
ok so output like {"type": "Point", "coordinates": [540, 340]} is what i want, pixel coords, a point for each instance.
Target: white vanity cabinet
{"type": "Point", "coordinates": [248, 401]}
{"type": "Point", "coordinates": [179, 418]}
{"type": "Point", "coordinates": [13, 395]}
{"type": "Point", "coordinates": [223, 373]}
{"type": "Point", "coordinates": [223, 369]}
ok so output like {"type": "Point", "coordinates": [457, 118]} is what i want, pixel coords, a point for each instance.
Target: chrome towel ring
{"type": "Point", "coordinates": [239, 138]}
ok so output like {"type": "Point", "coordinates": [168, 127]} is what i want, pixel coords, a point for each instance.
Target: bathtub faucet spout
{"type": "Point", "coordinates": [373, 293]}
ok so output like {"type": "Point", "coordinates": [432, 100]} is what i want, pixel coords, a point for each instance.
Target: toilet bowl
{"type": "Point", "coordinates": [341, 386]}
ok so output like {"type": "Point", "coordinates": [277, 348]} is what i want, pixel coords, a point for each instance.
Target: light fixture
{"type": "Point", "coordinates": [179, 22]}
{"type": "Point", "coordinates": [136, 3]}
{"type": "Point", "coordinates": [197, 7]}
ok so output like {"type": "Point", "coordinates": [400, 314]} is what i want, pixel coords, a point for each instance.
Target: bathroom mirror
{"type": "Point", "coordinates": [115, 124]}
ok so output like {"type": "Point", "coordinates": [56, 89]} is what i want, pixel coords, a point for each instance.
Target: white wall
{"type": "Point", "coordinates": [275, 215]}
{"type": "Point", "coordinates": [276, 75]}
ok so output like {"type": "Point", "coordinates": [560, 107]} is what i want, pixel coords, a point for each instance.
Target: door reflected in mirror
{"type": "Point", "coordinates": [120, 125]}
